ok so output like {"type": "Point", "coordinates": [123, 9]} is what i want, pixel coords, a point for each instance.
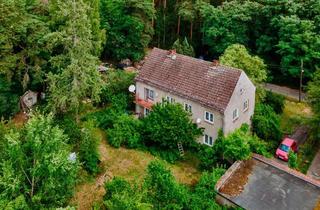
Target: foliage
{"type": "Point", "coordinates": [9, 101]}
{"type": "Point", "coordinates": [183, 47]}
{"type": "Point", "coordinates": [314, 95]}
{"type": "Point", "coordinates": [121, 195]}
{"type": "Point", "coordinates": [70, 127]}
{"type": "Point", "coordinates": [237, 56]}
{"type": "Point", "coordinates": [128, 27]}
{"type": "Point", "coordinates": [162, 190]}
{"type": "Point", "coordinates": [265, 120]}
{"type": "Point", "coordinates": [88, 148]}
{"type": "Point", "coordinates": [77, 76]}
{"type": "Point", "coordinates": [276, 101]}
{"type": "Point", "coordinates": [125, 131]}
{"type": "Point", "coordinates": [116, 82]}
{"type": "Point", "coordinates": [292, 162]}
{"type": "Point", "coordinates": [167, 125]}
{"type": "Point", "coordinates": [298, 41]}
{"type": "Point", "coordinates": [236, 145]}
{"type": "Point", "coordinates": [36, 165]}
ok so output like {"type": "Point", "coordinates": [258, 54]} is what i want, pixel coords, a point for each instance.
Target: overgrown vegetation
{"type": "Point", "coordinates": [160, 190]}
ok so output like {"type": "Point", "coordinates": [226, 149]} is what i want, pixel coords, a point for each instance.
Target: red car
{"type": "Point", "coordinates": [286, 145]}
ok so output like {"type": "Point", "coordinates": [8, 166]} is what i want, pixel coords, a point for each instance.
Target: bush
{"type": "Point", "coordinates": [117, 82]}
{"type": "Point", "coordinates": [292, 162]}
{"type": "Point", "coordinates": [169, 124]}
{"type": "Point", "coordinates": [121, 195]}
{"type": "Point", "coordinates": [88, 149]}
{"type": "Point", "coordinates": [9, 101]}
{"type": "Point", "coordinates": [70, 127]}
{"type": "Point", "coordinates": [163, 191]}
{"type": "Point", "coordinates": [266, 123]}
{"type": "Point", "coordinates": [125, 131]}
{"type": "Point", "coordinates": [258, 146]}
{"type": "Point", "coordinates": [276, 101]}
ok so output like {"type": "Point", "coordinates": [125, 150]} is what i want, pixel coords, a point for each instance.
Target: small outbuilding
{"type": "Point", "coordinates": [28, 100]}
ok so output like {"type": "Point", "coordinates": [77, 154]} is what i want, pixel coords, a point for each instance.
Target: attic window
{"type": "Point", "coordinates": [242, 90]}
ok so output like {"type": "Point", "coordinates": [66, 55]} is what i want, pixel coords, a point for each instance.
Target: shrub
{"type": "Point", "coordinates": [121, 195]}
{"type": "Point", "coordinates": [276, 101]}
{"type": "Point", "coordinates": [117, 82]}
{"type": "Point", "coordinates": [266, 123]}
{"type": "Point", "coordinates": [163, 192]}
{"type": "Point", "coordinates": [70, 127]}
{"type": "Point", "coordinates": [88, 149]}
{"type": "Point", "coordinates": [125, 131]}
{"type": "Point", "coordinates": [292, 162]}
{"type": "Point", "coordinates": [169, 124]}
{"type": "Point", "coordinates": [258, 146]}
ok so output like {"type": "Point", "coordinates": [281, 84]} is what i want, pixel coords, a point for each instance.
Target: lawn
{"type": "Point", "coordinates": [294, 115]}
{"type": "Point", "coordinates": [131, 165]}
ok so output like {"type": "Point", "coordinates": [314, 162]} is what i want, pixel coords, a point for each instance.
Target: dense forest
{"type": "Point", "coordinates": [54, 48]}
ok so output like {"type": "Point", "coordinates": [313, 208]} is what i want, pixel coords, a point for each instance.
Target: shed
{"type": "Point", "coordinates": [28, 100]}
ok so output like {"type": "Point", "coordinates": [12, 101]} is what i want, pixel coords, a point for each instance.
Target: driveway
{"type": "Point", "coordinates": [300, 135]}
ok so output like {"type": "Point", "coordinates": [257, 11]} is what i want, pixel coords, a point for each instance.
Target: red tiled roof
{"type": "Point", "coordinates": [190, 78]}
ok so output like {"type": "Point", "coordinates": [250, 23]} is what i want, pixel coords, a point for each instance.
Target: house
{"type": "Point", "coordinates": [219, 97]}
{"type": "Point", "coordinates": [262, 183]}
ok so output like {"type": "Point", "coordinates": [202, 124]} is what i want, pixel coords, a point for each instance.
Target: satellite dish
{"type": "Point", "coordinates": [132, 88]}
{"type": "Point", "coordinates": [198, 121]}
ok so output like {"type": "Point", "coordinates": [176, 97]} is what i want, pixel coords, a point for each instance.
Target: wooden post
{"type": "Point", "coordinates": [301, 74]}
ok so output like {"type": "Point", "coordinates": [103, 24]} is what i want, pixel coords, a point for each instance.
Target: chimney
{"type": "Point", "coordinates": [172, 54]}
{"type": "Point", "coordinates": [215, 63]}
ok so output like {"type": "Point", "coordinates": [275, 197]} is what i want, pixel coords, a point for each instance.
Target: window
{"type": "Point", "coordinates": [188, 107]}
{"type": "Point", "coordinates": [146, 112]}
{"type": "Point", "coordinates": [149, 94]}
{"type": "Point", "coordinates": [170, 99]}
{"type": "Point", "coordinates": [209, 117]}
{"type": "Point", "coordinates": [235, 114]}
{"type": "Point", "coordinates": [208, 140]}
{"type": "Point", "coordinates": [246, 105]}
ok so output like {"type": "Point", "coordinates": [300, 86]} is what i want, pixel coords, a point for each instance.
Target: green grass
{"type": "Point", "coordinates": [306, 154]}
{"type": "Point", "coordinates": [294, 115]}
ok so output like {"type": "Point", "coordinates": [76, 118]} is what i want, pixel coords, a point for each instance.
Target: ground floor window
{"type": "Point", "coordinates": [208, 140]}
{"type": "Point", "coordinates": [146, 111]}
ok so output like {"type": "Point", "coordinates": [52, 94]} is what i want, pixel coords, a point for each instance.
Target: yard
{"type": "Point", "coordinates": [129, 164]}
{"type": "Point", "coordinates": [295, 115]}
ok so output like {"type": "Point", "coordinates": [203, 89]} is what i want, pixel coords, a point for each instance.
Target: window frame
{"type": "Point", "coordinates": [234, 118]}
{"type": "Point", "coordinates": [188, 107]}
{"type": "Point", "coordinates": [170, 99]}
{"type": "Point", "coordinates": [210, 114]}
{"type": "Point", "coordinates": [148, 94]}
{"type": "Point", "coordinates": [146, 111]}
{"type": "Point", "coordinates": [245, 108]}
{"type": "Point", "coordinates": [206, 140]}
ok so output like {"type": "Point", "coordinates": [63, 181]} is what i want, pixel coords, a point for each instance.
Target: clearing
{"type": "Point", "coordinates": [131, 165]}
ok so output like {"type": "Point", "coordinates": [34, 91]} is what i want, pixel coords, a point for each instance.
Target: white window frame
{"type": "Point", "coordinates": [170, 99]}
{"type": "Point", "coordinates": [149, 94]}
{"type": "Point", "coordinates": [207, 139]}
{"type": "Point", "coordinates": [146, 111]}
{"type": "Point", "coordinates": [209, 120]}
{"type": "Point", "coordinates": [234, 118]}
{"type": "Point", "coordinates": [246, 105]}
{"type": "Point", "coordinates": [188, 107]}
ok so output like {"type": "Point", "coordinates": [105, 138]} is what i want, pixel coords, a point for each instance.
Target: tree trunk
{"type": "Point", "coordinates": [191, 30]}
{"type": "Point", "coordinates": [178, 28]}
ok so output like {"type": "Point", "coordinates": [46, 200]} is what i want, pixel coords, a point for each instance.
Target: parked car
{"type": "Point", "coordinates": [286, 145]}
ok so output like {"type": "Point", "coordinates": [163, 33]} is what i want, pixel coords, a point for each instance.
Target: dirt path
{"type": "Point", "coordinates": [300, 134]}
{"type": "Point", "coordinates": [129, 164]}
{"type": "Point", "coordinates": [285, 91]}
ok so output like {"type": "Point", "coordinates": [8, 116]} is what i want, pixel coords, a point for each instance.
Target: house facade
{"type": "Point", "coordinates": [218, 97]}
